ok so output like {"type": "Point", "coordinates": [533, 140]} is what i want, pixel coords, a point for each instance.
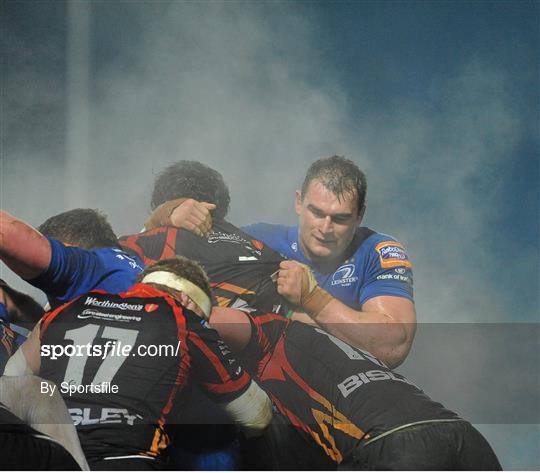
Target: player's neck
{"type": "Point", "coordinates": [322, 265]}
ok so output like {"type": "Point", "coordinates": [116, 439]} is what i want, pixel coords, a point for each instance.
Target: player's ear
{"type": "Point", "coordinates": [298, 202]}
{"type": "Point", "coordinates": [361, 214]}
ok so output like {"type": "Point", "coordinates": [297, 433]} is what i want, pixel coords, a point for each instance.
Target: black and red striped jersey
{"type": "Point", "coordinates": [334, 394]}
{"type": "Point", "coordinates": [142, 349]}
{"type": "Point", "coordinates": [241, 269]}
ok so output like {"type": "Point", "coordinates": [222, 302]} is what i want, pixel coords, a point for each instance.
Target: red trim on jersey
{"type": "Point", "coordinates": [267, 318]}
{"type": "Point", "coordinates": [143, 290]}
{"type": "Point", "coordinates": [277, 368]}
{"type": "Point", "coordinates": [130, 243]}
{"type": "Point", "coordinates": [229, 387]}
{"type": "Point", "coordinates": [169, 250]}
{"type": "Point", "coordinates": [280, 356]}
{"type": "Point", "coordinates": [185, 359]}
{"type": "Point", "coordinates": [161, 440]}
{"type": "Point", "coordinates": [295, 421]}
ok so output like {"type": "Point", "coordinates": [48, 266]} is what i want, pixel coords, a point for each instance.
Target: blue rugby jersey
{"type": "Point", "coordinates": [374, 265]}
{"type": "Point", "coordinates": [74, 271]}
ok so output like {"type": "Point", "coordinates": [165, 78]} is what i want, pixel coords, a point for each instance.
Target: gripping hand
{"type": "Point", "coordinates": [298, 285]}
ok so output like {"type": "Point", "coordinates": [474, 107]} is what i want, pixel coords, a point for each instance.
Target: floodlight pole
{"type": "Point", "coordinates": [78, 111]}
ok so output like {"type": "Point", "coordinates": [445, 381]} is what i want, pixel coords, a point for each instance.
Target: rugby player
{"type": "Point", "coordinates": [123, 403]}
{"type": "Point", "coordinates": [76, 251]}
{"type": "Point", "coordinates": [241, 270]}
{"type": "Point", "coordinates": [361, 414]}
{"type": "Point", "coordinates": [242, 274]}
{"type": "Point", "coordinates": [36, 432]}
{"type": "Point", "coordinates": [365, 277]}
{"type": "Point", "coordinates": [367, 274]}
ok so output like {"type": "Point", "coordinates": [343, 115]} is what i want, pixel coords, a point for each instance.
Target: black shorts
{"type": "Point", "coordinates": [24, 448]}
{"type": "Point", "coordinates": [26, 452]}
{"type": "Point", "coordinates": [432, 446]}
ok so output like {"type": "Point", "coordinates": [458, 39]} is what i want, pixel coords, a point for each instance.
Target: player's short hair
{"type": "Point", "coordinates": [340, 176]}
{"type": "Point", "coordinates": [193, 180]}
{"type": "Point", "coordinates": [182, 267]}
{"type": "Point", "coordinates": [27, 311]}
{"type": "Point", "coordinates": [87, 228]}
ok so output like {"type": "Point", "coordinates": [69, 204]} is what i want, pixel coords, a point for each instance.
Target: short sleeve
{"type": "Point", "coordinates": [213, 363]}
{"type": "Point", "coordinates": [73, 271]}
{"type": "Point", "coordinates": [388, 271]}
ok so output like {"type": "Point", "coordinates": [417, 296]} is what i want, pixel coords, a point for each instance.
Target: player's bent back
{"type": "Point", "coordinates": [122, 362]}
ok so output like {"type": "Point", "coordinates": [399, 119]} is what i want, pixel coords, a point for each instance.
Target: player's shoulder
{"type": "Point", "coordinates": [366, 239]}
{"type": "Point", "coordinates": [139, 299]}
{"type": "Point", "coordinates": [274, 235]}
{"type": "Point", "coordinates": [118, 258]}
{"type": "Point", "coordinates": [109, 256]}
{"type": "Point", "coordinates": [386, 248]}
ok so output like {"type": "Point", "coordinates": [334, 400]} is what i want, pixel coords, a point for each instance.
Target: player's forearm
{"type": "Point", "coordinates": [232, 325]}
{"type": "Point", "coordinates": [379, 333]}
{"type": "Point", "coordinates": [22, 248]}
{"type": "Point", "coordinates": [252, 410]}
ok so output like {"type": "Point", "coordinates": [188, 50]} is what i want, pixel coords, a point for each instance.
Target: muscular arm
{"type": "Point", "coordinates": [22, 248]}
{"type": "Point", "coordinates": [385, 326]}
{"type": "Point", "coordinates": [250, 408]}
{"type": "Point", "coordinates": [232, 325]}
{"type": "Point", "coordinates": [188, 214]}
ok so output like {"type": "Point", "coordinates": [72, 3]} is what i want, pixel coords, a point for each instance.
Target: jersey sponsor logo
{"type": "Point", "coordinates": [352, 383]}
{"type": "Point", "coordinates": [394, 276]}
{"type": "Point", "coordinates": [150, 307]}
{"type": "Point", "coordinates": [222, 237]}
{"type": "Point", "coordinates": [344, 276]}
{"type": "Point", "coordinates": [216, 237]}
{"type": "Point", "coordinates": [392, 254]}
{"type": "Point", "coordinates": [95, 314]}
{"type": "Point", "coordinates": [105, 415]}
{"type": "Point", "coordinates": [112, 305]}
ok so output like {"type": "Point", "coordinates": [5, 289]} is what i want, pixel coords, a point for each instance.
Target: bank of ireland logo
{"type": "Point", "coordinates": [344, 276]}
